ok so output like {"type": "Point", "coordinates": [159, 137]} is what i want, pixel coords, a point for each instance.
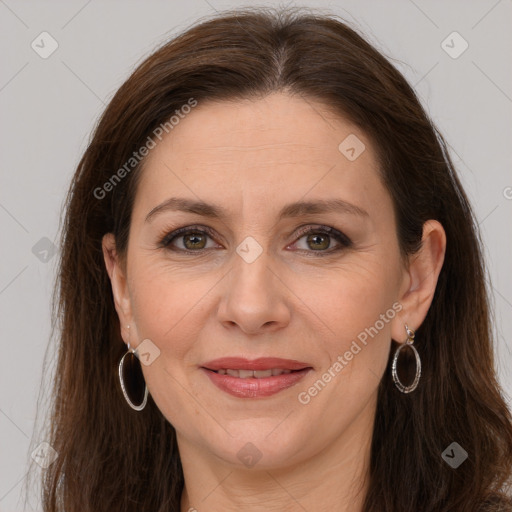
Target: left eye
{"type": "Point", "coordinates": [319, 239]}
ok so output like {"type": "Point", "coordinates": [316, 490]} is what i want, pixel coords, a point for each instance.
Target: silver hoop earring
{"type": "Point", "coordinates": [396, 380]}
{"type": "Point", "coordinates": [130, 371]}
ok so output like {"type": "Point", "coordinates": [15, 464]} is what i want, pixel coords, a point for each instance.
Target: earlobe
{"type": "Point", "coordinates": [421, 278]}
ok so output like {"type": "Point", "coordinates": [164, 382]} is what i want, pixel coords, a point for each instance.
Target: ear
{"type": "Point", "coordinates": [420, 280]}
{"type": "Point", "coordinates": [118, 281]}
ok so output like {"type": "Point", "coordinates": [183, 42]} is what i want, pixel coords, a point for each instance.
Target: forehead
{"type": "Point", "coordinates": [278, 149]}
{"type": "Point", "coordinates": [275, 126]}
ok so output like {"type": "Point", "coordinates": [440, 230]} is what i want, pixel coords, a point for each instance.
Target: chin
{"type": "Point", "coordinates": [253, 447]}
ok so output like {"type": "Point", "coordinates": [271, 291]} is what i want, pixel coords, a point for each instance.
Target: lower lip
{"type": "Point", "coordinates": [253, 387]}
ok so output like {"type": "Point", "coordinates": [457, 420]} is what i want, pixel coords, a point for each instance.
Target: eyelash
{"type": "Point", "coordinates": [341, 238]}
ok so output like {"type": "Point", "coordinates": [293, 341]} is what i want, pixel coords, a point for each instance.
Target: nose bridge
{"type": "Point", "coordinates": [250, 273]}
{"type": "Point", "coordinates": [253, 297]}
{"type": "Point", "coordinates": [254, 257]}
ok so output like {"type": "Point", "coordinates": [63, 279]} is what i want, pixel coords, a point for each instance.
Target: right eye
{"type": "Point", "coordinates": [193, 238]}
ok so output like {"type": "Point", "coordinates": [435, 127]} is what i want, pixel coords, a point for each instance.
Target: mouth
{"type": "Point", "coordinates": [253, 374]}
{"type": "Point", "coordinates": [257, 378]}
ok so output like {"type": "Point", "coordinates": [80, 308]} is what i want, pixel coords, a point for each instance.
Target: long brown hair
{"type": "Point", "coordinates": [111, 458]}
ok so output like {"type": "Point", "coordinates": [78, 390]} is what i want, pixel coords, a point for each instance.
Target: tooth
{"type": "Point", "coordinates": [258, 374]}
{"type": "Point", "coordinates": [262, 373]}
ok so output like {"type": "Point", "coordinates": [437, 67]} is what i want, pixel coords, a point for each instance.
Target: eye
{"type": "Point", "coordinates": [319, 239]}
{"type": "Point", "coordinates": [192, 239]}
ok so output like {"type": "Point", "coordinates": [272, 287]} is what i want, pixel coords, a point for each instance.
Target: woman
{"type": "Point", "coordinates": [272, 293]}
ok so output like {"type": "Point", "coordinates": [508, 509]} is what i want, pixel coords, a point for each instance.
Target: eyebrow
{"type": "Point", "coordinates": [297, 209]}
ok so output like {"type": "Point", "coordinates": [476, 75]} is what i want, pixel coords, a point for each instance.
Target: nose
{"type": "Point", "coordinates": [255, 298]}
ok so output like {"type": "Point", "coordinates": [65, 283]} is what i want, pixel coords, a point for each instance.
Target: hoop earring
{"type": "Point", "coordinates": [133, 370]}
{"type": "Point", "coordinates": [396, 380]}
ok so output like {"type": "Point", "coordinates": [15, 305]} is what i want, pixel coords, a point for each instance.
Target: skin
{"type": "Point", "coordinates": [252, 158]}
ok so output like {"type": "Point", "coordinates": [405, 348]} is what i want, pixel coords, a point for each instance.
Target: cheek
{"type": "Point", "coordinates": [165, 303]}
{"type": "Point", "coordinates": [355, 311]}
{"type": "Point", "coordinates": [351, 297]}
{"type": "Point", "coordinates": [165, 306]}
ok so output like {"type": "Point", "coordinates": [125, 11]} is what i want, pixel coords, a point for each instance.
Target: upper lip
{"type": "Point", "coordinates": [262, 363]}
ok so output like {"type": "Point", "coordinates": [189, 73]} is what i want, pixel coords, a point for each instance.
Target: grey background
{"type": "Point", "coordinates": [49, 107]}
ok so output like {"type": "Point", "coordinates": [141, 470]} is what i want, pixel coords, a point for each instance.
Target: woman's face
{"type": "Point", "coordinates": [255, 284]}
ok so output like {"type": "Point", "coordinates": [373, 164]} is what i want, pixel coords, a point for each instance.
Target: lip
{"type": "Point", "coordinates": [254, 387]}
{"type": "Point", "coordinates": [262, 363]}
